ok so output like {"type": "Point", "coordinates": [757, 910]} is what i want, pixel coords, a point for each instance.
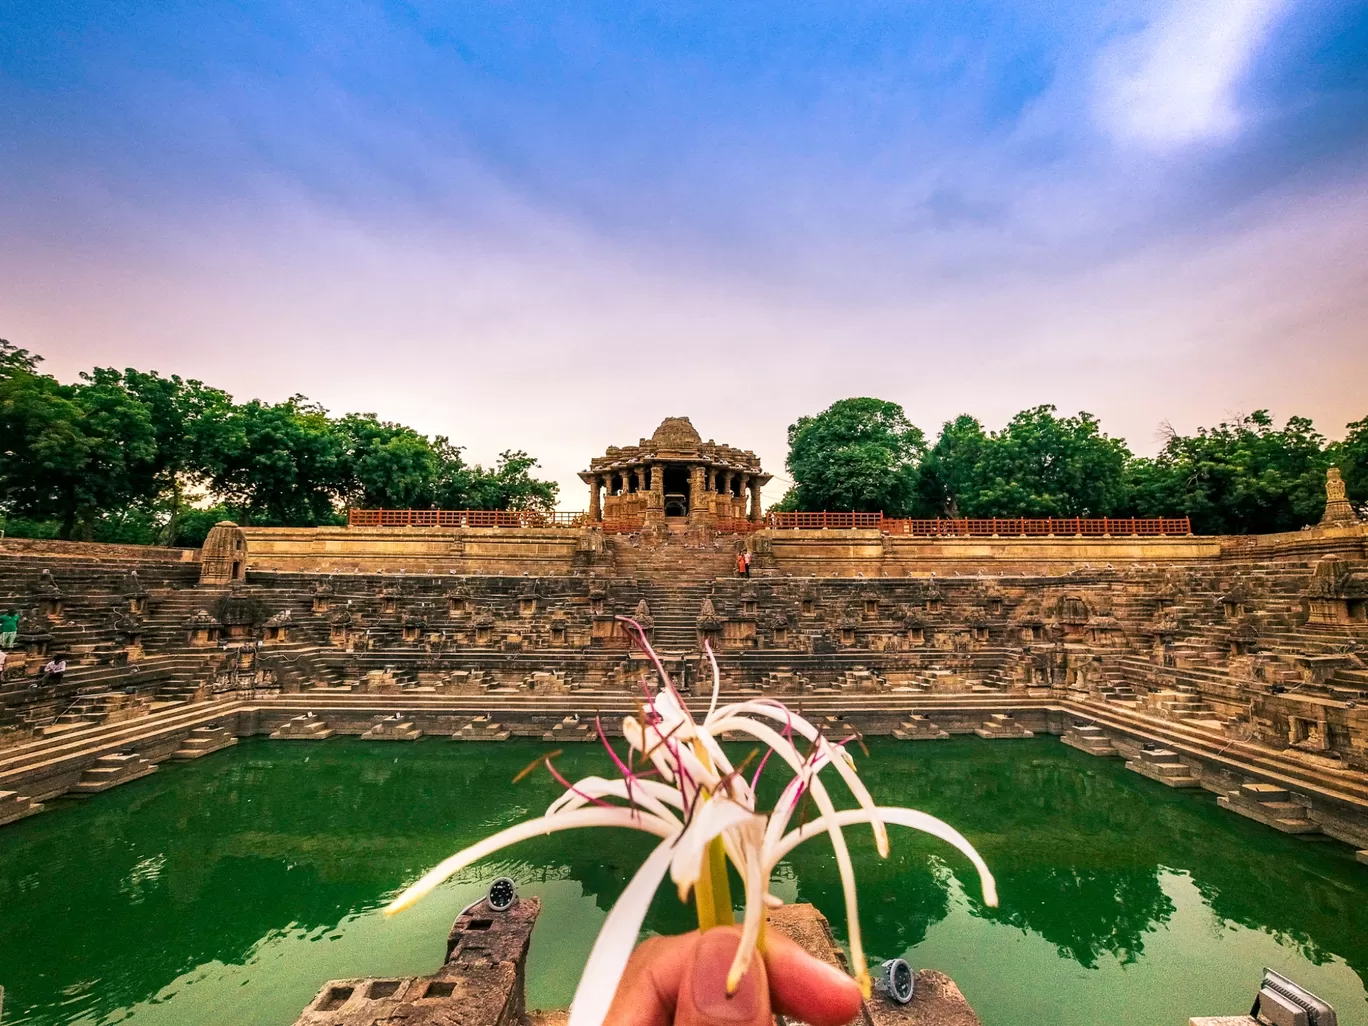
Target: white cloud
{"type": "Point", "coordinates": [1173, 82]}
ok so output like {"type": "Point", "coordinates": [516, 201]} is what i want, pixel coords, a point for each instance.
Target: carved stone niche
{"type": "Point", "coordinates": [340, 627]}
{"type": "Point", "coordinates": [709, 624]}
{"type": "Point", "coordinates": [934, 598]}
{"type": "Point", "coordinates": [1244, 638]}
{"type": "Point", "coordinates": [642, 615]}
{"type": "Point", "coordinates": [128, 629]}
{"type": "Point", "coordinates": [322, 596]}
{"type": "Point", "coordinates": [484, 629]}
{"type": "Point", "coordinates": [558, 628]}
{"type": "Point", "coordinates": [978, 628]}
{"type": "Point", "coordinates": [870, 605]}
{"type": "Point", "coordinates": [915, 629]}
{"type": "Point", "coordinates": [458, 600]}
{"type": "Point", "coordinates": [1032, 630]}
{"type": "Point", "coordinates": [47, 597]}
{"type": "Point", "coordinates": [1236, 602]}
{"type": "Point", "coordinates": [779, 629]}
{"type": "Point", "coordinates": [598, 596]}
{"type": "Point", "coordinates": [846, 632]}
{"type": "Point", "coordinates": [135, 595]}
{"type": "Point", "coordinates": [750, 600]}
{"type": "Point", "coordinates": [1104, 629]}
{"type": "Point", "coordinates": [1337, 593]}
{"type": "Point", "coordinates": [415, 625]}
{"type": "Point", "coordinates": [527, 599]}
{"type": "Point", "coordinates": [276, 630]}
{"type": "Point", "coordinates": [202, 630]}
{"type": "Point", "coordinates": [389, 600]}
{"type": "Point", "coordinates": [807, 602]}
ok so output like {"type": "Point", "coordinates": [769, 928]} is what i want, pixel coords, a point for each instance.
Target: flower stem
{"type": "Point", "coordinates": [712, 892]}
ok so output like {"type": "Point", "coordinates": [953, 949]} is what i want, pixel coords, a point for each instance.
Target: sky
{"type": "Point", "coordinates": [547, 226]}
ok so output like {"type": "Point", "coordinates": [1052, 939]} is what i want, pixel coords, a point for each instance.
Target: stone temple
{"type": "Point", "coordinates": [1234, 664]}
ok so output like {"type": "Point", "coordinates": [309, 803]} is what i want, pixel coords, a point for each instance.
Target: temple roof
{"type": "Point", "coordinates": [676, 440]}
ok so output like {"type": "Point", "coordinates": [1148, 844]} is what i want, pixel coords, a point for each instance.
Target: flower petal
{"type": "Point", "coordinates": [630, 818]}
{"type": "Point", "coordinates": [902, 817]}
{"type": "Point", "coordinates": [616, 940]}
{"type": "Point", "coordinates": [713, 817]}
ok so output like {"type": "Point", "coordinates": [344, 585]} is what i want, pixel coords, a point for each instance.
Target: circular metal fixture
{"type": "Point", "coordinates": [502, 894]}
{"type": "Point", "coordinates": [897, 980]}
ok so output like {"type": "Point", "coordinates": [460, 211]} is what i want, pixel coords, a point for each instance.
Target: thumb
{"type": "Point", "coordinates": [703, 998]}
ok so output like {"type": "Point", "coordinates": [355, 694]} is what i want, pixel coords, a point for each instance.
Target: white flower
{"type": "Point", "coordinates": [700, 799]}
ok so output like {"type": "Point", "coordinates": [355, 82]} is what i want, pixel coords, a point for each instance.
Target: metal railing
{"type": "Point", "coordinates": [460, 518]}
{"type": "Point", "coordinates": [988, 527]}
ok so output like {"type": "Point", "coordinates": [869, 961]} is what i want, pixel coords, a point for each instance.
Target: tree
{"type": "Point", "coordinates": [185, 415]}
{"type": "Point", "coordinates": [281, 463]}
{"type": "Point", "coordinates": [1043, 465]}
{"type": "Point", "coordinates": [857, 455]}
{"type": "Point", "coordinates": [948, 473]}
{"type": "Point", "coordinates": [71, 451]}
{"type": "Point", "coordinates": [1351, 456]}
{"type": "Point", "coordinates": [389, 466]}
{"type": "Point", "coordinates": [1241, 477]}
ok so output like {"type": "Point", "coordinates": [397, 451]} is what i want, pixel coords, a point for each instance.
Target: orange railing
{"type": "Point", "coordinates": [826, 521]}
{"type": "Point", "coordinates": [460, 518]}
{"type": "Point", "coordinates": [622, 525]}
{"type": "Point", "coordinates": [738, 525]}
{"type": "Point", "coordinates": [988, 527]}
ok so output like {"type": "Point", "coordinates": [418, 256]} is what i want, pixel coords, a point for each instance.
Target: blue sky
{"type": "Point", "coordinates": [549, 225]}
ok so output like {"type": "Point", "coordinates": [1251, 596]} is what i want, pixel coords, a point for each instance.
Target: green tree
{"type": "Point", "coordinates": [509, 485]}
{"type": "Point", "coordinates": [1241, 477]}
{"type": "Point", "coordinates": [184, 414]}
{"type": "Point", "coordinates": [1351, 456]}
{"type": "Point", "coordinates": [949, 472]}
{"type": "Point", "coordinates": [281, 463]}
{"type": "Point", "coordinates": [857, 455]}
{"type": "Point", "coordinates": [1043, 465]}
{"type": "Point", "coordinates": [389, 466]}
{"type": "Point", "coordinates": [72, 452]}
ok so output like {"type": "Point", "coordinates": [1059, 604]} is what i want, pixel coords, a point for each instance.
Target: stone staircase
{"type": "Point", "coordinates": [1090, 738]}
{"type": "Point", "coordinates": [919, 728]}
{"type": "Point", "coordinates": [1271, 805]}
{"type": "Point", "coordinates": [1001, 726]}
{"type": "Point", "coordinates": [306, 727]}
{"type": "Point", "coordinates": [392, 728]}
{"type": "Point", "coordinates": [113, 770]}
{"type": "Point", "coordinates": [15, 806]}
{"type": "Point", "coordinates": [571, 728]}
{"type": "Point", "coordinates": [1163, 765]}
{"type": "Point", "coordinates": [202, 741]}
{"type": "Point", "coordinates": [480, 728]}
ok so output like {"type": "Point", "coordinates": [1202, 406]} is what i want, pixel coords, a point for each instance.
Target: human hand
{"type": "Point", "coordinates": [681, 981]}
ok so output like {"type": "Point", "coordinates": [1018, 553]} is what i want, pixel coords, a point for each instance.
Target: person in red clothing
{"type": "Point", "coordinates": [740, 564]}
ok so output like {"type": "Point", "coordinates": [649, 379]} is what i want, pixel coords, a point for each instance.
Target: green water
{"type": "Point", "coordinates": [229, 889]}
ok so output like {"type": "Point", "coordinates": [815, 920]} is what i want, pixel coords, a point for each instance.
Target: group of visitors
{"type": "Point", "coordinates": [56, 667]}
{"type": "Point", "coordinates": [743, 562]}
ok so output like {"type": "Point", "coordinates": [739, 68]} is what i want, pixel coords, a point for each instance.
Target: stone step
{"type": "Point", "coordinates": [1283, 815]}
{"type": "Point", "coordinates": [112, 770]}
{"type": "Point", "coordinates": [303, 728]}
{"type": "Point", "coordinates": [15, 806]}
{"type": "Point", "coordinates": [1164, 766]}
{"type": "Point", "coordinates": [203, 741]}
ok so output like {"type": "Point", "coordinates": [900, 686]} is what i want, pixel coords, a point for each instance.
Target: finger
{"type": "Point", "coordinates": [648, 992]}
{"type": "Point", "coordinates": [806, 988]}
{"type": "Point", "coordinates": [703, 997]}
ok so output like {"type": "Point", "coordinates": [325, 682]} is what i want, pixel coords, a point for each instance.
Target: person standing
{"type": "Point", "coordinates": [740, 564]}
{"type": "Point", "coordinates": [746, 559]}
{"type": "Point", "coordinates": [9, 628]}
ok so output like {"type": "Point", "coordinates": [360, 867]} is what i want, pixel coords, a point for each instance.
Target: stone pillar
{"type": "Point", "coordinates": [697, 482]}
{"type": "Point", "coordinates": [640, 475]}
{"type": "Point", "coordinates": [595, 510]}
{"type": "Point", "coordinates": [755, 512]}
{"type": "Point", "coordinates": [655, 498]}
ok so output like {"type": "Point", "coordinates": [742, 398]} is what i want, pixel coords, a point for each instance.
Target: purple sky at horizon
{"type": "Point", "coordinates": [550, 233]}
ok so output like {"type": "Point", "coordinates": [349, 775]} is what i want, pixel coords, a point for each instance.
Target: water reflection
{"type": "Point", "coordinates": [263, 867]}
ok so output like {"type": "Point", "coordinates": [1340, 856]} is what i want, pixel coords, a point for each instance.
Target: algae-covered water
{"type": "Point", "coordinates": [226, 891]}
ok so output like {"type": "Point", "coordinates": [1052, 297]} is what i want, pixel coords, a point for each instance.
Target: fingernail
{"type": "Point", "coordinates": [716, 950]}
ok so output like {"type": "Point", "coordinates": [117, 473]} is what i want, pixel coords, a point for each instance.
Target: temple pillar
{"type": "Point", "coordinates": [697, 490]}
{"type": "Point", "coordinates": [755, 512]}
{"type": "Point", "coordinates": [640, 475]}
{"type": "Point", "coordinates": [655, 497]}
{"type": "Point", "coordinates": [595, 510]}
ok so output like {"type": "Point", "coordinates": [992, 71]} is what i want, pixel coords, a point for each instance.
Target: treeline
{"type": "Point", "coordinates": [131, 456]}
{"type": "Point", "coordinates": [1243, 476]}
